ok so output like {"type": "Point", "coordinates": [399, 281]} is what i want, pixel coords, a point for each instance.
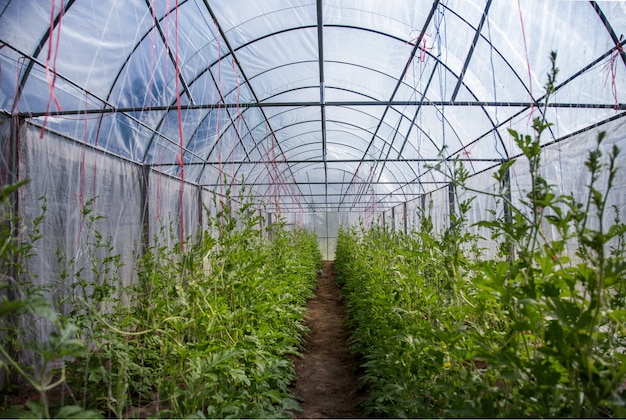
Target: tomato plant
{"type": "Point", "coordinates": [537, 331]}
{"type": "Point", "coordinates": [205, 332]}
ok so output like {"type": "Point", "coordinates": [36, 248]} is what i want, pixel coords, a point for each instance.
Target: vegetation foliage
{"type": "Point", "coordinates": [535, 331]}
{"type": "Point", "coordinates": [207, 331]}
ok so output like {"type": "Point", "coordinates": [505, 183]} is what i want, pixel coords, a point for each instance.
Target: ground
{"type": "Point", "coordinates": [326, 385]}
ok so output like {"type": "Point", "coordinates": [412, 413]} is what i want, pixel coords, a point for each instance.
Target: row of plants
{"type": "Point", "coordinates": [208, 329]}
{"type": "Point", "coordinates": [444, 330]}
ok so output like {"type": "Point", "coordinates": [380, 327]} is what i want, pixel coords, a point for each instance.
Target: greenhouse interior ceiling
{"type": "Point", "coordinates": [315, 106]}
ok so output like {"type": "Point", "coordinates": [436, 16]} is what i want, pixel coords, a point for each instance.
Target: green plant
{"type": "Point", "coordinates": [22, 302]}
{"type": "Point", "coordinates": [212, 326]}
{"type": "Point", "coordinates": [565, 324]}
{"type": "Point", "coordinates": [536, 331]}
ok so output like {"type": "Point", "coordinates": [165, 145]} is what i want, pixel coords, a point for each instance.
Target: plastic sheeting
{"type": "Point", "coordinates": [328, 112]}
{"type": "Point", "coordinates": [563, 167]}
{"type": "Point", "coordinates": [318, 105]}
{"type": "Point", "coordinates": [129, 116]}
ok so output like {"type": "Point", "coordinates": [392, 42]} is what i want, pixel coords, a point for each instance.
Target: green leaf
{"type": "Point", "coordinates": [9, 306]}
{"type": "Point", "coordinates": [37, 410]}
{"type": "Point", "coordinates": [77, 412]}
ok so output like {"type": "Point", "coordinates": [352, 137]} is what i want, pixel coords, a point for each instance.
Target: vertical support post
{"type": "Point", "coordinates": [327, 235]}
{"type": "Point", "coordinates": [451, 203]}
{"type": "Point", "coordinates": [11, 176]}
{"type": "Point", "coordinates": [423, 208]}
{"type": "Point", "coordinates": [405, 217]}
{"type": "Point", "coordinates": [200, 235]}
{"type": "Point", "coordinates": [508, 214]}
{"type": "Point", "coordinates": [144, 189]}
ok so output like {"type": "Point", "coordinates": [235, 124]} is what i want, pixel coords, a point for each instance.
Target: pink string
{"type": "Point", "coordinates": [611, 68]}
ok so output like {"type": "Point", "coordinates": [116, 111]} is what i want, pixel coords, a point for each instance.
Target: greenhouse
{"type": "Point", "coordinates": [178, 177]}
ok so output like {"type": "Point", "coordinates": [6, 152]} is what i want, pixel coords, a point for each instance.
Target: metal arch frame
{"type": "Point", "coordinates": [207, 69]}
{"type": "Point", "coordinates": [598, 124]}
{"type": "Point", "coordinates": [350, 108]}
{"type": "Point", "coordinates": [313, 206]}
{"type": "Point", "coordinates": [208, 114]}
{"type": "Point", "coordinates": [349, 124]}
{"type": "Point", "coordinates": [618, 47]}
{"type": "Point", "coordinates": [39, 48]}
{"type": "Point", "coordinates": [609, 28]}
{"type": "Point", "coordinates": [401, 117]}
{"type": "Point", "coordinates": [468, 58]}
{"type": "Point", "coordinates": [593, 3]}
{"type": "Point", "coordinates": [526, 106]}
{"type": "Point", "coordinates": [111, 110]}
{"type": "Point", "coordinates": [478, 35]}
{"type": "Point", "coordinates": [302, 27]}
{"type": "Point", "coordinates": [315, 161]}
{"type": "Point", "coordinates": [302, 87]}
{"type": "Point", "coordinates": [402, 114]}
{"type": "Point", "coordinates": [575, 75]}
{"type": "Point", "coordinates": [243, 73]}
{"type": "Point", "coordinates": [329, 161]}
{"type": "Point", "coordinates": [318, 161]}
{"type": "Point", "coordinates": [459, 83]}
{"type": "Point", "coordinates": [140, 40]}
{"type": "Point", "coordinates": [232, 52]}
{"type": "Point", "coordinates": [155, 130]}
{"type": "Point", "coordinates": [403, 73]}
{"type": "Point", "coordinates": [322, 87]}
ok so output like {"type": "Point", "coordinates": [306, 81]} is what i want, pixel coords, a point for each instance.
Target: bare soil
{"type": "Point", "coordinates": [326, 384]}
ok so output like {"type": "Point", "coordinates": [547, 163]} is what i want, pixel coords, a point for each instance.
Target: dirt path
{"type": "Point", "coordinates": [326, 386]}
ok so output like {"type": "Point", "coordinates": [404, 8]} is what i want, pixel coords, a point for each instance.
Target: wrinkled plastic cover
{"type": "Point", "coordinates": [317, 106]}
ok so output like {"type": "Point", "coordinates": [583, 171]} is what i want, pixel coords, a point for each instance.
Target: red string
{"type": "Point", "coordinates": [423, 49]}
{"type": "Point", "coordinates": [611, 68]}
{"type": "Point", "coordinates": [239, 115]}
{"type": "Point", "coordinates": [272, 170]}
{"type": "Point", "coordinates": [467, 151]}
{"type": "Point", "coordinates": [51, 76]}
